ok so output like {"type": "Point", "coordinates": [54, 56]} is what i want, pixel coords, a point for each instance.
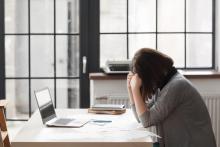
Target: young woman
{"type": "Point", "coordinates": [161, 96]}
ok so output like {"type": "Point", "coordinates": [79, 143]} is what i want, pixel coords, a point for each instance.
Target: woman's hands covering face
{"type": "Point", "coordinates": [135, 83]}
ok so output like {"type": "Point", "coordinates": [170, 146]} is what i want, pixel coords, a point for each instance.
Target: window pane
{"type": "Point", "coordinates": [142, 15]}
{"type": "Point", "coordinates": [16, 56]}
{"type": "Point", "coordinates": [112, 47]}
{"type": "Point", "coordinates": [170, 15]}
{"type": "Point", "coordinates": [68, 93]}
{"type": "Point", "coordinates": [138, 41]}
{"type": "Point", "coordinates": [42, 56]}
{"type": "Point", "coordinates": [38, 84]}
{"type": "Point", "coordinates": [199, 15]}
{"type": "Point", "coordinates": [67, 16]}
{"type": "Point", "coordinates": [199, 50]}
{"type": "Point", "coordinates": [16, 16]}
{"type": "Point", "coordinates": [17, 94]}
{"type": "Point", "coordinates": [113, 16]}
{"type": "Point", "coordinates": [67, 55]}
{"type": "Point", "coordinates": [173, 46]}
{"type": "Point", "coordinates": [42, 16]}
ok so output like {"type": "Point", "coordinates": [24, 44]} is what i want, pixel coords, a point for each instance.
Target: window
{"type": "Point", "coordinates": [182, 29]}
{"type": "Point", "coordinates": [45, 41]}
{"type": "Point", "coordinates": [41, 50]}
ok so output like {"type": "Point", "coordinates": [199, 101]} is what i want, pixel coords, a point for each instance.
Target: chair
{"type": "Point", "coordinates": [4, 138]}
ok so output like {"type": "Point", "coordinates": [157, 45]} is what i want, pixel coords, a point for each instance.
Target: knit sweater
{"type": "Point", "coordinates": [180, 115]}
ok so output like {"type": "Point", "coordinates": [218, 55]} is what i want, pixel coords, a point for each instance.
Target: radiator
{"type": "Point", "coordinates": [113, 99]}
{"type": "Point", "coordinates": [212, 102]}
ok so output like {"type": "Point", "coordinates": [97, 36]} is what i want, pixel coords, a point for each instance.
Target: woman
{"type": "Point", "coordinates": [161, 96]}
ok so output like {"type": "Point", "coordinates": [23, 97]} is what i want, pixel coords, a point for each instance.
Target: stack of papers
{"type": "Point", "coordinates": [107, 109]}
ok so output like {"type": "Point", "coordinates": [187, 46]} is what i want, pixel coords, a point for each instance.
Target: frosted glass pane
{"type": "Point", "coordinates": [16, 56]}
{"type": "Point", "coordinates": [142, 15]}
{"type": "Point", "coordinates": [173, 46]}
{"type": "Point", "coordinates": [42, 16]}
{"type": "Point", "coordinates": [112, 47]}
{"type": "Point", "coordinates": [42, 56]}
{"type": "Point", "coordinates": [199, 15]}
{"type": "Point", "coordinates": [170, 15]}
{"type": "Point", "coordinates": [16, 16]}
{"type": "Point", "coordinates": [138, 41]}
{"type": "Point", "coordinates": [67, 16]}
{"type": "Point", "coordinates": [37, 84]}
{"type": "Point", "coordinates": [199, 50]}
{"type": "Point", "coordinates": [67, 57]}
{"type": "Point", "coordinates": [17, 94]}
{"type": "Point", "coordinates": [68, 93]}
{"type": "Point", "coordinates": [113, 16]}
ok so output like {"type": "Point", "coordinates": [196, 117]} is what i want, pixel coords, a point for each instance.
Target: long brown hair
{"type": "Point", "coordinates": [151, 66]}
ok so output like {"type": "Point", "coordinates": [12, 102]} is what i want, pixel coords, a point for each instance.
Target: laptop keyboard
{"type": "Point", "coordinates": [63, 121]}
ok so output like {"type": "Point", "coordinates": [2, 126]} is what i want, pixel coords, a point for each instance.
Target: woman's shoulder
{"type": "Point", "coordinates": [179, 81]}
{"type": "Point", "coordinates": [178, 84]}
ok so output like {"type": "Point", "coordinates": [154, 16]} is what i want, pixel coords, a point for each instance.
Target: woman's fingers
{"type": "Point", "coordinates": [129, 76]}
{"type": "Point", "coordinates": [135, 82]}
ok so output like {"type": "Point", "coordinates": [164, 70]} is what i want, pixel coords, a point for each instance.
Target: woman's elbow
{"type": "Point", "coordinates": [145, 119]}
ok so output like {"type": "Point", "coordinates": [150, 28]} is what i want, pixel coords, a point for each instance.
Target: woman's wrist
{"type": "Point", "coordinates": [139, 102]}
{"type": "Point", "coordinates": [131, 99]}
{"type": "Point", "coordinates": [130, 95]}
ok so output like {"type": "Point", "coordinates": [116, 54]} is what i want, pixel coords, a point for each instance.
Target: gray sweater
{"type": "Point", "coordinates": [180, 115]}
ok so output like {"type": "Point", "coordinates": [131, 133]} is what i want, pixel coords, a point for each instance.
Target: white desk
{"type": "Point", "coordinates": [123, 131]}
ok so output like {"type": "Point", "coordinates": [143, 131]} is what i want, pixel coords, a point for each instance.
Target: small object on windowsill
{"type": "Point", "coordinates": [113, 109]}
{"type": "Point", "coordinates": [117, 66]}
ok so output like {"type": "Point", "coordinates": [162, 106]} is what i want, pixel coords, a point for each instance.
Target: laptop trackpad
{"type": "Point", "coordinates": [66, 122]}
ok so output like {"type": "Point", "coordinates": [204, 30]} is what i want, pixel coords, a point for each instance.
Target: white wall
{"type": "Point", "coordinates": [101, 88]}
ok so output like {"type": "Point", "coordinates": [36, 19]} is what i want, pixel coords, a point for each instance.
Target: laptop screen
{"type": "Point", "coordinates": [45, 104]}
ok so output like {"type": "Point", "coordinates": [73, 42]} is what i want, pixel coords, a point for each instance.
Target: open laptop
{"type": "Point", "coordinates": [48, 113]}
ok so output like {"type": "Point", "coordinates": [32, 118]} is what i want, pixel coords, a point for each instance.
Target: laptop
{"type": "Point", "coordinates": [48, 113]}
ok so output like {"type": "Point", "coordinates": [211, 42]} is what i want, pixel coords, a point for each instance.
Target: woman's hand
{"type": "Point", "coordinates": [129, 77]}
{"type": "Point", "coordinates": [135, 83]}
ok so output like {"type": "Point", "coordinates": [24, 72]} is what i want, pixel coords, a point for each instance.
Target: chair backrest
{"type": "Point", "coordinates": [4, 138]}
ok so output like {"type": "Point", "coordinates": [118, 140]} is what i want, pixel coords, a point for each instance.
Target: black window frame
{"type": "Point", "coordinates": [83, 102]}
{"type": "Point", "coordinates": [90, 47]}
{"type": "Point", "coordinates": [185, 35]}
{"type": "Point", "coordinates": [2, 51]}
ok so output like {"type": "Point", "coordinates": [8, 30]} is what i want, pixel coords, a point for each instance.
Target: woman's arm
{"type": "Point", "coordinates": [136, 93]}
{"type": "Point", "coordinates": [130, 95]}
{"type": "Point", "coordinates": [169, 99]}
{"type": "Point", "coordinates": [139, 102]}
